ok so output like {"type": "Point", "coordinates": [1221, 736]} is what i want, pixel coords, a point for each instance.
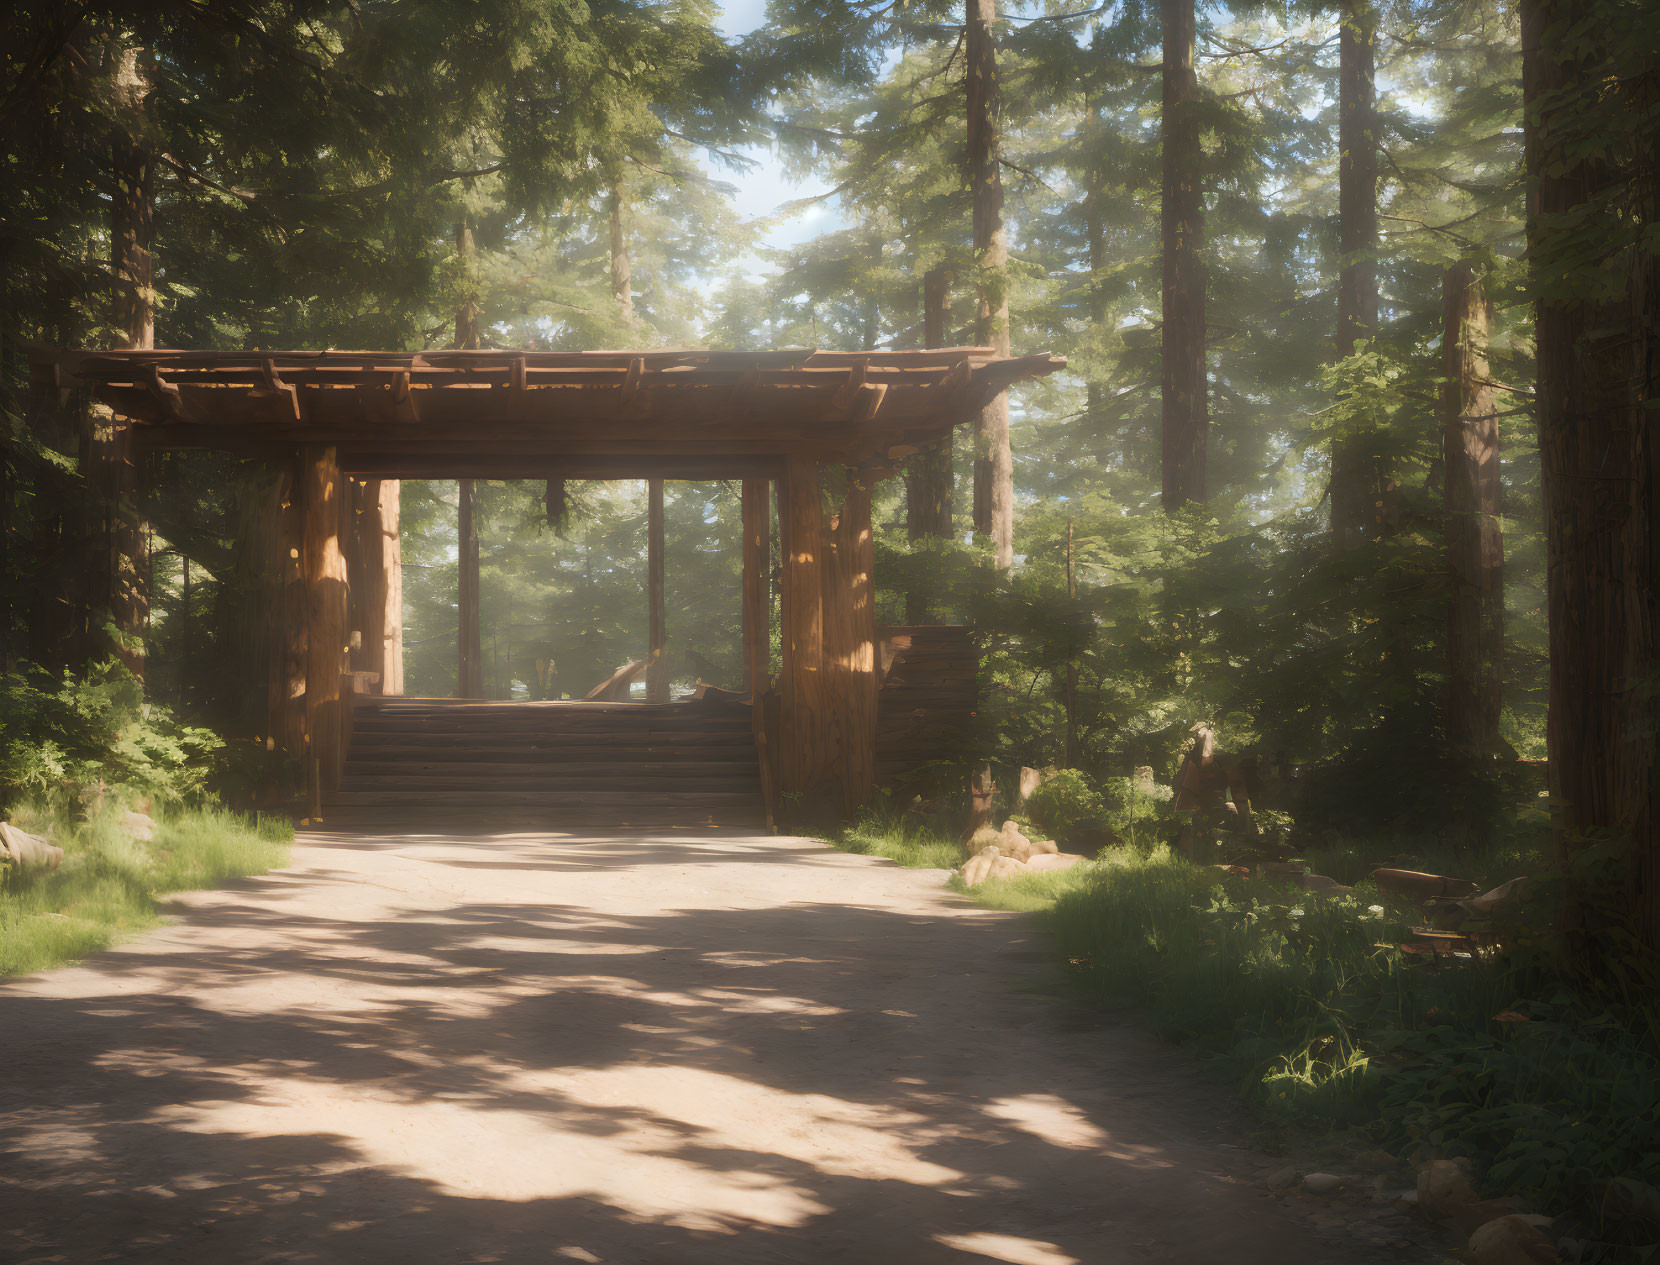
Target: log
{"type": "Point", "coordinates": [614, 688]}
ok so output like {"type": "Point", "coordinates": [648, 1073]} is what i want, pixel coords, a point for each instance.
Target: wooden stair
{"type": "Point", "coordinates": [614, 764]}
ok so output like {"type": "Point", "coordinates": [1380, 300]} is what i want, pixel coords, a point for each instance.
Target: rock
{"type": "Point", "coordinates": [138, 825]}
{"type": "Point", "coordinates": [1323, 886]}
{"type": "Point", "coordinates": [1049, 862]}
{"type": "Point", "coordinates": [1406, 1200]}
{"type": "Point", "coordinates": [1444, 1186]}
{"type": "Point", "coordinates": [1322, 1183]}
{"type": "Point", "coordinates": [1517, 1239]}
{"type": "Point", "coordinates": [1379, 1160]}
{"type": "Point", "coordinates": [1041, 847]}
{"type": "Point", "coordinates": [1281, 1178]}
{"type": "Point", "coordinates": [1030, 780]}
{"type": "Point", "coordinates": [27, 851]}
{"type": "Point", "coordinates": [974, 872]}
{"type": "Point", "coordinates": [1013, 843]}
{"type": "Point", "coordinates": [1005, 867]}
{"type": "Point", "coordinates": [983, 838]}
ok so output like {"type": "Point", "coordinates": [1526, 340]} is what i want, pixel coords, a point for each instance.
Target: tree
{"type": "Point", "coordinates": [1186, 386]}
{"type": "Point", "coordinates": [1592, 143]}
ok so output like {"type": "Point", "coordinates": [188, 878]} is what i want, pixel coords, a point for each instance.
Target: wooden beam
{"type": "Point", "coordinates": [470, 659]}
{"type": "Point", "coordinates": [326, 633]}
{"type": "Point", "coordinates": [757, 605]}
{"type": "Point", "coordinates": [657, 664]}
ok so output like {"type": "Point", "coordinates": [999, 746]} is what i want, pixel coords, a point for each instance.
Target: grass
{"type": "Point", "coordinates": [1339, 1040]}
{"type": "Point", "coordinates": [110, 884]}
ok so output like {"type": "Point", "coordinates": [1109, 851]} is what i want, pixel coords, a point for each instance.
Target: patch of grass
{"type": "Point", "coordinates": [1326, 1025]}
{"type": "Point", "coordinates": [110, 884]}
{"type": "Point", "coordinates": [910, 844]}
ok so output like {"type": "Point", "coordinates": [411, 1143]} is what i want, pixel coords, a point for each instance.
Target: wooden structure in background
{"type": "Point", "coordinates": [781, 418]}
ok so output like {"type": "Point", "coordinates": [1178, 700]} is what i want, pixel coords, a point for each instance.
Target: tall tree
{"type": "Point", "coordinates": [1474, 540]}
{"type": "Point", "coordinates": [469, 681]}
{"type": "Point", "coordinates": [993, 459]}
{"type": "Point", "coordinates": [1185, 405]}
{"type": "Point", "coordinates": [1356, 473]}
{"type": "Point", "coordinates": [1592, 142]}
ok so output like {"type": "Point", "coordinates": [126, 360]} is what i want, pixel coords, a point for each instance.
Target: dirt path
{"type": "Point", "coordinates": [632, 1049]}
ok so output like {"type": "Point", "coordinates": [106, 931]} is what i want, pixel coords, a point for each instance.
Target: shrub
{"type": "Point", "coordinates": [1067, 808]}
{"type": "Point", "coordinates": [60, 736]}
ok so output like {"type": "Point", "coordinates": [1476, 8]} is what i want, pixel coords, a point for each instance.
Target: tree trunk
{"type": "Point", "coordinates": [1475, 544]}
{"type": "Point", "coordinates": [467, 312]}
{"type": "Point", "coordinates": [622, 269]}
{"type": "Point", "coordinates": [657, 621]}
{"type": "Point", "coordinates": [111, 471]}
{"type": "Point", "coordinates": [1596, 381]}
{"type": "Point", "coordinates": [757, 603]}
{"type": "Point", "coordinates": [1185, 401]}
{"type": "Point", "coordinates": [993, 460]}
{"type": "Point", "coordinates": [928, 473]}
{"type": "Point", "coordinates": [1358, 479]}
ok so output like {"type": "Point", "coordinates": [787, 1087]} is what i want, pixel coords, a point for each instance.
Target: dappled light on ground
{"type": "Point", "coordinates": [517, 1045]}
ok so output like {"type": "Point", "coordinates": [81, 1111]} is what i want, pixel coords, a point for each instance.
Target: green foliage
{"type": "Point", "coordinates": [881, 832]}
{"type": "Point", "coordinates": [1065, 807]}
{"type": "Point", "coordinates": [1327, 1025]}
{"type": "Point", "coordinates": [110, 883]}
{"type": "Point", "coordinates": [61, 735]}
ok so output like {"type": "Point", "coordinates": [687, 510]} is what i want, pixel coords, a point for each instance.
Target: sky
{"type": "Point", "coordinates": [763, 189]}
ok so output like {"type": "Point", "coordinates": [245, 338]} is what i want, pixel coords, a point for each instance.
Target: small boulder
{"type": "Point", "coordinates": [1281, 1178]}
{"type": "Point", "coordinates": [138, 825]}
{"type": "Point", "coordinates": [983, 838]}
{"type": "Point", "coordinates": [1518, 1239]}
{"type": "Point", "coordinates": [1005, 867]}
{"type": "Point", "coordinates": [1041, 847]}
{"type": "Point", "coordinates": [1322, 1183]}
{"type": "Point", "coordinates": [1049, 862]}
{"type": "Point", "coordinates": [974, 872]}
{"type": "Point", "coordinates": [1013, 843]}
{"type": "Point", "coordinates": [1030, 780]}
{"type": "Point", "coordinates": [27, 851]}
{"type": "Point", "coordinates": [1444, 1186]}
{"type": "Point", "coordinates": [1320, 885]}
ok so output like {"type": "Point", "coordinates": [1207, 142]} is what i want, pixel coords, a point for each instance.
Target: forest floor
{"type": "Point", "coordinates": [424, 1046]}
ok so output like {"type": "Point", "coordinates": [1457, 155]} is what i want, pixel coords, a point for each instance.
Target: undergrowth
{"type": "Point", "coordinates": [110, 884]}
{"type": "Point", "coordinates": [1308, 1004]}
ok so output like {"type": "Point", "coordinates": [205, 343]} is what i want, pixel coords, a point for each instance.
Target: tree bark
{"type": "Point", "coordinates": [850, 643]}
{"type": "Point", "coordinates": [802, 686]}
{"type": "Point", "coordinates": [657, 630]}
{"type": "Point", "coordinates": [1358, 479]}
{"type": "Point", "coordinates": [1596, 383]}
{"type": "Point", "coordinates": [993, 459]}
{"type": "Point", "coordinates": [1185, 400]}
{"type": "Point", "coordinates": [1474, 540]}
{"type": "Point", "coordinates": [622, 269]}
{"type": "Point", "coordinates": [467, 312]}
{"type": "Point", "coordinates": [111, 473]}
{"type": "Point", "coordinates": [288, 720]}
{"type": "Point", "coordinates": [928, 473]}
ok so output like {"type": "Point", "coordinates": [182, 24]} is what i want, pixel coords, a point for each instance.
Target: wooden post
{"type": "Point", "coordinates": [850, 645]}
{"type": "Point", "coordinates": [288, 721]}
{"type": "Point", "coordinates": [757, 608]}
{"type": "Point", "coordinates": [657, 633]}
{"type": "Point", "coordinates": [326, 611]}
{"type": "Point", "coordinates": [1475, 545]}
{"type": "Point", "coordinates": [469, 681]}
{"type": "Point", "coordinates": [381, 602]}
{"type": "Point", "coordinates": [802, 683]}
